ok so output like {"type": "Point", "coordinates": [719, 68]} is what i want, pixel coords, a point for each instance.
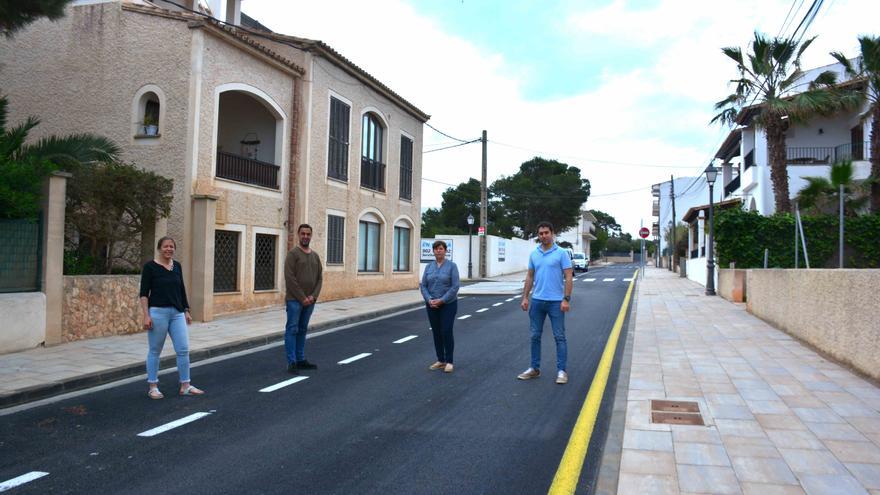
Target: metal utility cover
{"type": "Point", "coordinates": [676, 413]}
{"type": "Point", "coordinates": [675, 406]}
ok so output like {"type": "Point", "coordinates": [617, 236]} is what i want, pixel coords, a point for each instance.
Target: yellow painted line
{"type": "Point", "coordinates": [569, 471]}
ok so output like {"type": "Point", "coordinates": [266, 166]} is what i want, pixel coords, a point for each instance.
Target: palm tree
{"type": "Point", "coordinates": [821, 194]}
{"type": "Point", "coordinates": [868, 67]}
{"type": "Point", "coordinates": [770, 76]}
{"type": "Point", "coordinates": [24, 166]}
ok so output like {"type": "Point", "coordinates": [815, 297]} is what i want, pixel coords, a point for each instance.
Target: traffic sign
{"type": "Point", "coordinates": [481, 231]}
{"type": "Point", "coordinates": [644, 232]}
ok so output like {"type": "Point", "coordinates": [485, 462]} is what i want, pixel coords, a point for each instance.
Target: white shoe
{"type": "Point", "coordinates": [562, 378]}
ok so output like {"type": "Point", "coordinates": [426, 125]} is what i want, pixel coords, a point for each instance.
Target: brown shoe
{"type": "Point", "coordinates": [449, 368]}
{"type": "Point", "coordinates": [529, 374]}
{"type": "Point", "coordinates": [437, 366]}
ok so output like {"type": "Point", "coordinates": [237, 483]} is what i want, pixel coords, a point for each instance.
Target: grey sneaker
{"type": "Point", "coordinates": [562, 377]}
{"type": "Point", "coordinates": [529, 374]}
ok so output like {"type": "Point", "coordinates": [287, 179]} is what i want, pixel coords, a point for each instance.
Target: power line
{"type": "Point", "coordinates": [443, 133]}
{"type": "Point", "coordinates": [627, 164]}
{"type": "Point", "coordinates": [451, 146]}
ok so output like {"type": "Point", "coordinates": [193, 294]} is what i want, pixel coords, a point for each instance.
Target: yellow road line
{"type": "Point", "coordinates": [569, 471]}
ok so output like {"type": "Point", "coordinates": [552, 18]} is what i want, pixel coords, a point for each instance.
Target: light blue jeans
{"type": "Point", "coordinates": [295, 330]}
{"type": "Point", "coordinates": [167, 321]}
{"type": "Point", "coordinates": [539, 310]}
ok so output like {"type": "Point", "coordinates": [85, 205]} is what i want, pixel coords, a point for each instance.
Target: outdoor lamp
{"type": "Point", "coordinates": [470, 219]}
{"type": "Point", "coordinates": [711, 175]}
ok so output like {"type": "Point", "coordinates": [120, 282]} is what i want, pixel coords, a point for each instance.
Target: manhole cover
{"type": "Point", "coordinates": [674, 412]}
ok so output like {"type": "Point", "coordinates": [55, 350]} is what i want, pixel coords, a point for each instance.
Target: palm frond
{"type": "Point", "coordinates": [841, 173]}
{"type": "Point", "coordinates": [826, 78]}
{"type": "Point", "coordinates": [847, 64]}
{"type": "Point", "coordinates": [75, 148]}
{"type": "Point", "coordinates": [870, 48]}
{"type": "Point", "coordinates": [816, 188]}
{"type": "Point", "coordinates": [735, 53]}
{"type": "Point", "coordinates": [726, 117]}
{"type": "Point", "coordinates": [13, 139]}
{"type": "Point", "coordinates": [802, 49]}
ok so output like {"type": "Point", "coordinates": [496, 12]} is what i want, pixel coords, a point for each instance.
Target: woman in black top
{"type": "Point", "coordinates": [166, 311]}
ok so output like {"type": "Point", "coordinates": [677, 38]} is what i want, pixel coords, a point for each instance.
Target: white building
{"type": "Point", "coordinates": [581, 235]}
{"type": "Point", "coordinates": [690, 192]}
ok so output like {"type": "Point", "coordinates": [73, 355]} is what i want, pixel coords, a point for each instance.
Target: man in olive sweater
{"type": "Point", "coordinates": [302, 278]}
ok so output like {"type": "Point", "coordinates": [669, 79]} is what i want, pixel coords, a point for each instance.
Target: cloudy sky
{"type": "Point", "coordinates": [622, 89]}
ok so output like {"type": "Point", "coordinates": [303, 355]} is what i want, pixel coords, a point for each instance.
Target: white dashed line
{"type": "Point", "coordinates": [509, 299]}
{"type": "Point", "coordinates": [482, 310]}
{"type": "Point", "coordinates": [627, 280]}
{"type": "Point", "coordinates": [497, 304]}
{"type": "Point", "coordinates": [272, 388]}
{"type": "Point", "coordinates": [355, 358]}
{"type": "Point", "coordinates": [465, 317]}
{"type": "Point", "coordinates": [608, 280]}
{"type": "Point", "coordinates": [173, 424]}
{"type": "Point", "coordinates": [405, 339]}
{"type": "Point", "coordinates": [20, 480]}
{"type": "Point", "coordinates": [589, 280]}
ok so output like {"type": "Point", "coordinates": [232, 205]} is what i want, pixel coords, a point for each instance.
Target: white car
{"type": "Point", "coordinates": [580, 262]}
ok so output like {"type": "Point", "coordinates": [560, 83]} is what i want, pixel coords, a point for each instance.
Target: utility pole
{"type": "Point", "coordinates": [672, 248]}
{"type": "Point", "coordinates": [484, 212]}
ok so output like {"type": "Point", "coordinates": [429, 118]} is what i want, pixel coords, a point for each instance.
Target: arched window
{"type": "Point", "coordinates": [402, 246]}
{"type": "Point", "coordinates": [149, 112]}
{"type": "Point", "coordinates": [372, 157]}
{"type": "Point", "coordinates": [369, 243]}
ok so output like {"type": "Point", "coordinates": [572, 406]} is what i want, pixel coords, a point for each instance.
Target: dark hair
{"type": "Point", "coordinates": [438, 244]}
{"type": "Point", "coordinates": [166, 238]}
{"type": "Point", "coordinates": [544, 224]}
{"type": "Point", "coordinates": [304, 226]}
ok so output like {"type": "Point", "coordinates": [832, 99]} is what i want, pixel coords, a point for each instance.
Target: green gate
{"type": "Point", "coordinates": [21, 256]}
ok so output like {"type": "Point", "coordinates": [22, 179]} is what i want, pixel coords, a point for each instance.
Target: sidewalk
{"type": "Point", "coordinates": [43, 372]}
{"type": "Point", "coordinates": [780, 419]}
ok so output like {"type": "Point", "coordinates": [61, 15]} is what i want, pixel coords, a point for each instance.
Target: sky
{"type": "Point", "coordinates": [623, 90]}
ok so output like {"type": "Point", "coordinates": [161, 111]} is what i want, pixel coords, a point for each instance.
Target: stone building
{"type": "Point", "coordinates": [259, 131]}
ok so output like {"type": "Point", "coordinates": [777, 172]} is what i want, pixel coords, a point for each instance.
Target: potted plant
{"type": "Point", "coordinates": [151, 125]}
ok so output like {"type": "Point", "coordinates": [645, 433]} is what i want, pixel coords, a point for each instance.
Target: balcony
{"type": "Point", "coordinates": [731, 186]}
{"type": "Point", "coordinates": [247, 170]}
{"type": "Point", "coordinates": [372, 174]}
{"type": "Point", "coordinates": [655, 208]}
{"type": "Point", "coordinates": [851, 151]}
{"type": "Point", "coordinates": [817, 155]}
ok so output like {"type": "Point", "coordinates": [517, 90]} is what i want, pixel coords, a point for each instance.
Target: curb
{"type": "Point", "coordinates": [50, 389]}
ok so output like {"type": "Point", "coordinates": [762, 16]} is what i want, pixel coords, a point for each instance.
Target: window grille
{"type": "Point", "coordinates": [337, 153]}
{"type": "Point", "coordinates": [335, 239]}
{"type": "Point", "coordinates": [225, 261]}
{"type": "Point", "coordinates": [264, 261]}
{"type": "Point", "coordinates": [406, 167]}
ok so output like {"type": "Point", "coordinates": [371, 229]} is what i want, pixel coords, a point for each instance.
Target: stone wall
{"type": "Point", "coordinates": [732, 284]}
{"type": "Point", "coordinates": [100, 306]}
{"type": "Point", "coordinates": [833, 310]}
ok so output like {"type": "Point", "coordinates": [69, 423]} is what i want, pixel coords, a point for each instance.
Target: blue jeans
{"type": "Point", "coordinates": [167, 321]}
{"type": "Point", "coordinates": [441, 320]}
{"type": "Point", "coordinates": [538, 310]}
{"type": "Point", "coordinates": [295, 330]}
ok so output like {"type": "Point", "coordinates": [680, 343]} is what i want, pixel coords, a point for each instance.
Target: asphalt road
{"type": "Point", "coordinates": [379, 424]}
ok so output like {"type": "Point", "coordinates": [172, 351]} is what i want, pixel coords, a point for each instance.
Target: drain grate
{"type": "Point", "coordinates": [673, 412]}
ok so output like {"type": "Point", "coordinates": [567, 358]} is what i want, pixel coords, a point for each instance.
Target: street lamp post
{"type": "Point", "coordinates": [711, 175]}
{"type": "Point", "coordinates": [470, 221]}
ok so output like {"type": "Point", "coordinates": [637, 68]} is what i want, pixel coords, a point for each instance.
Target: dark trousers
{"type": "Point", "coordinates": [441, 320]}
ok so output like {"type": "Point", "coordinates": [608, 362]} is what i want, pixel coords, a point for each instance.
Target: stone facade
{"type": "Point", "coordinates": [100, 306]}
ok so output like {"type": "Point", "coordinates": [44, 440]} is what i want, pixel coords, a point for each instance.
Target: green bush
{"type": "Point", "coordinates": [741, 237]}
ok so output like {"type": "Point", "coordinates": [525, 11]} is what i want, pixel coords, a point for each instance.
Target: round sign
{"type": "Point", "coordinates": [643, 232]}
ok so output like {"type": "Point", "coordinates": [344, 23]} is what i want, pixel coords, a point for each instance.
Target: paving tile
{"type": "Point", "coordinates": [765, 489]}
{"type": "Point", "coordinates": [795, 439]}
{"type": "Point", "coordinates": [707, 479]}
{"type": "Point", "coordinates": [780, 422]}
{"type": "Point", "coordinates": [730, 412]}
{"type": "Point", "coordinates": [695, 434]}
{"type": "Point", "coordinates": [818, 414]}
{"type": "Point", "coordinates": [723, 399]}
{"type": "Point", "coordinates": [836, 431]}
{"type": "Point", "coordinates": [832, 485]}
{"type": "Point", "coordinates": [861, 452]}
{"type": "Point", "coordinates": [647, 440]}
{"type": "Point", "coordinates": [703, 454]}
{"type": "Point", "coordinates": [867, 474]}
{"type": "Point", "coordinates": [801, 400]}
{"type": "Point", "coordinates": [736, 448]}
{"type": "Point", "coordinates": [638, 416]}
{"type": "Point", "coordinates": [647, 484]}
{"type": "Point", "coordinates": [865, 425]}
{"type": "Point", "coordinates": [740, 428]}
{"type": "Point", "coordinates": [763, 470]}
{"type": "Point", "coordinates": [805, 461]}
{"type": "Point", "coordinates": [647, 462]}
{"type": "Point", "coordinates": [768, 407]}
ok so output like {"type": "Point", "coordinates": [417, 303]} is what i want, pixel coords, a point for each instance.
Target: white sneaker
{"type": "Point", "coordinates": [562, 378]}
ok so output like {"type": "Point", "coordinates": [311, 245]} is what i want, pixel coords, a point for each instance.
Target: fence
{"type": "Point", "coordinates": [21, 256]}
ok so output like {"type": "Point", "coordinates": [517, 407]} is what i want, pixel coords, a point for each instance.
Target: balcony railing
{"type": "Point", "coordinates": [731, 186]}
{"type": "Point", "coordinates": [372, 174]}
{"type": "Point", "coordinates": [247, 170]}
{"type": "Point", "coordinates": [818, 155]}
{"type": "Point", "coordinates": [851, 151]}
{"type": "Point", "coordinates": [749, 160]}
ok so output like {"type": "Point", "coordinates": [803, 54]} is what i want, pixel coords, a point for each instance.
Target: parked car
{"type": "Point", "coordinates": [580, 262]}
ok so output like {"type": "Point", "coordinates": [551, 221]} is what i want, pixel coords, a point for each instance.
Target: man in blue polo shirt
{"type": "Point", "coordinates": [551, 274]}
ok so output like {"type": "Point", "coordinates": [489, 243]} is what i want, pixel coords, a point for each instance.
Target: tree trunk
{"type": "Point", "coordinates": [875, 158]}
{"type": "Point", "coordinates": [778, 169]}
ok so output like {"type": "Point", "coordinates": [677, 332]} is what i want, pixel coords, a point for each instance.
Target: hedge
{"type": "Point", "coordinates": [741, 237]}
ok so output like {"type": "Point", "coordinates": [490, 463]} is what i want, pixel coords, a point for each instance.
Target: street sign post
{"type": "Point", "coordinates": [644, 232]}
